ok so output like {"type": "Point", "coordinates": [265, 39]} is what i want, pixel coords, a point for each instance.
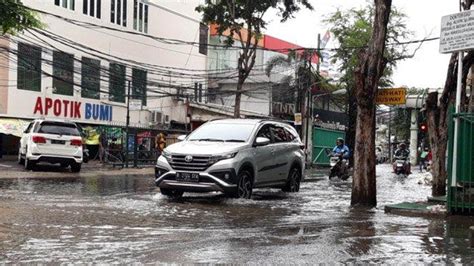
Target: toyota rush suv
{"type": "Point", "coordinates": [232, 156]}
{"type": "Point", "coordinates": [53, 142]}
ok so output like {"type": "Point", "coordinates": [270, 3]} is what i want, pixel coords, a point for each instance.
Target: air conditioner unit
{"type": "Point", "coordinates": [156, 117]}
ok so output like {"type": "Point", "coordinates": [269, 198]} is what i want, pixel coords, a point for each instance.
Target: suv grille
{"type": "Point", "coordinates": [199, 163]}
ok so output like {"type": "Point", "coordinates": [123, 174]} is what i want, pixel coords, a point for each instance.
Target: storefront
{"type": "Point", "coordinates": [94, 117]}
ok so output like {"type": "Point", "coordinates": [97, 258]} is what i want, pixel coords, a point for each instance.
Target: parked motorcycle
{"type": "Point", "coordinates": [85, 154]}
{"type": "Point", "coordinates": [338, 165]}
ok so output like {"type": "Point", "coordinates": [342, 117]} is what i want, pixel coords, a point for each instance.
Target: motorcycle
{"type": "Point", "coordinates": [338, 166]}
{"type": "Point", "coordinates": [85, 154]}
{"type": "Point", "coordinates": [400, 166]}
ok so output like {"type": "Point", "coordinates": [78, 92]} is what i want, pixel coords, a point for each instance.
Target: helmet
{"type": "Point", "coordinates": [340, 140]}
{"type": "Point", "coordinates": [403, 145]}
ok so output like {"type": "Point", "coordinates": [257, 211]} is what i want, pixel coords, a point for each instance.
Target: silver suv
{"type": "Point", "coordinates": [232, 156]}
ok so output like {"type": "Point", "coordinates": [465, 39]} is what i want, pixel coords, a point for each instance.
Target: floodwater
{"type": "Point", "coordinates": [126, 220]}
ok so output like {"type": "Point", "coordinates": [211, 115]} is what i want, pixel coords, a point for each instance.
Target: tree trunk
{"type": "Point", "coordinates": [367, 76]}
{"type": "Point", "coordinates": [436, 112]}
{"type": "Point", "coordinates": [438, 135]}
{"type": "Point", "coordinates": [364, 189]}
{"type": "Point", "coordinates": [351, 126]}
{"type": "Point", "coordinates": [238, 96]}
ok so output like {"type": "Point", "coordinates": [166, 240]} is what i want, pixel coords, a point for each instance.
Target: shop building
{"type": "Point", "coordinates": [89, 54]}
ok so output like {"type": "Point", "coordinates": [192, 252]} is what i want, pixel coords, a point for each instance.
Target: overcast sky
{"type": "Point", "coordinates": [426, 69]}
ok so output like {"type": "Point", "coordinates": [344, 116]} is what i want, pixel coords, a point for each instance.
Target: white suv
{"type": "Point", "coordinates": [51, 141]}
{"type": "Point", "coordinates": [232, 156]}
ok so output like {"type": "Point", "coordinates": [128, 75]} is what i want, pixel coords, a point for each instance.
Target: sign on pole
{"type": "Point", "coordinates": [298, 121]}
{"type": "Point", "coordinates": [135, 104]}
{"type": "Point", "coordinates": [393, 96]}
{"type": "Point", "coordinates": [457, 32]}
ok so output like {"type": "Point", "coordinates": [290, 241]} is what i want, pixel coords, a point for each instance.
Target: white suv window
{"type": "Point", "coordinates": [57, 128]}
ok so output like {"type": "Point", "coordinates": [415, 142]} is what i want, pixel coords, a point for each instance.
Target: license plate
{"type": "Point", "coordinates": [55, 141]}
{"type": "Point", "coordinates": [187, 177]}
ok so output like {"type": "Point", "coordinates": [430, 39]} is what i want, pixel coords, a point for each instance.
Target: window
{"type": "Point", "coordinates": [118, 12]}
{"type": "Point", "coordinates": [139, 85]}
{"type": "Point", "coordinates": [27, 130]}
{"type": "Point", "coordinates": [290, 136]}
{"type": "Point", "coordinates": [117, 83]}
{"type": "Point", "coordinates": [92, 8]}
{"type": "Point", "coordinates": [264, 132]}
{"type": "Point", "coordinates": [63, 67]}
{"type": "Point", "coordinates": [90, 78]}
{"type": "Point", "coordinates": [203, 39]}
{"type": "Point", "coordinates": [29, 67]}
{"type": "Point", "coordinates": [140, 16]}
{"type": "Point", "coordinates": [279, 134]}
{"type": "Point", "coordinates": [58, 128]}
{"type": "Point", "coordinates": [197, 92]}
{"type": "Point", "coordinates": [65, 3]}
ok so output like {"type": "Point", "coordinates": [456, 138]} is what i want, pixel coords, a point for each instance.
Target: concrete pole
{"type": "Point", "coordinates": [457, 121]}
{"type": "Point", "coordinates": [413, 136]}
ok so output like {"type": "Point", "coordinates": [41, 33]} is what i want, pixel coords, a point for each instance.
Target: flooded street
{"type": "Point", "coordinates": [125, 219]}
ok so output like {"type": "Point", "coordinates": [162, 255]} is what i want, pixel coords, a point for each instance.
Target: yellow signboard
{"type": "Point", "coordinates": [393, 96]}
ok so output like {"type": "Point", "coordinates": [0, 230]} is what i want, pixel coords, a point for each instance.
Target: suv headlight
{"type": "Point", "coordinates": [216, 158]}
{"type": "Point", "coordinates": [167, 155]}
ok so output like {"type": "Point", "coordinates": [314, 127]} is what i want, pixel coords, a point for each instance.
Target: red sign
{"type": "Point", "coordinates": [58, 107]}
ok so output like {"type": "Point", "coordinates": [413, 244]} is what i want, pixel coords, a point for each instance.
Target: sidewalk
{"type": "Point", "coordinates": [11, 169]}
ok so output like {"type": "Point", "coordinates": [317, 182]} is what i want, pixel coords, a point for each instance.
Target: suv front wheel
{"type": "Point", "coordinates": [244, 187]}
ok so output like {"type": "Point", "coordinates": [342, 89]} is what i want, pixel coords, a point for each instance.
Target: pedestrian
{"type": "Point", "coordinates": [423, 159]}
{"type": "Point", "coordinates": [102, 146]}
{"type": "Point", "coordinates": [160, 143]}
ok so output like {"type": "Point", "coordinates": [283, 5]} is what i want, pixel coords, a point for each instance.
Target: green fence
{"type": "Point", "coordinates": [322, 139]}
{"type": "Point", "coordinates": [461, 187]}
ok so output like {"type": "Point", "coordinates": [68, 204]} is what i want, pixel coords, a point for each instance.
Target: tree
{"type": "Point", "coordinates": [244, 19]}
{"type": "Point", "coordinates": [304, 80]}
{"type": "Point", "coordinates": [369, 70]}
{"type": "Point", "coordinates": [437, 115]}
{"type": "Point", "coordinates": [353, 30]}
{"type": "Point", "coordinates": [15, 17]}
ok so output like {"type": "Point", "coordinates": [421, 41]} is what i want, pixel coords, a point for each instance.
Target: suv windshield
{"type": "Point", "coordinates": [222, 132]}
{"type": "Point", "coordinates": [58, 129]}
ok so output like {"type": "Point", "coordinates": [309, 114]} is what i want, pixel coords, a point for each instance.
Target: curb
{"type": "Point", "coordinates": [415, 209]}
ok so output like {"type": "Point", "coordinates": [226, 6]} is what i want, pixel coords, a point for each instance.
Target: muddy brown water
{"type": "Point", "coordinates": [125, 219]}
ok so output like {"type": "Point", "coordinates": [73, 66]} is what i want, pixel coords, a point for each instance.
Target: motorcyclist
{"type": "Point", "coordinates": [341, 168]}
{"type": "Point", "coordinates": [340, 149]}
{"type": "Point", "coordinates": [402, 153]}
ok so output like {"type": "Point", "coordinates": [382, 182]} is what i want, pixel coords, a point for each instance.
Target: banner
{"type": "Point", "coordinates": [91, 135]}
{"type": "Point", "coordinates": [11, 126]}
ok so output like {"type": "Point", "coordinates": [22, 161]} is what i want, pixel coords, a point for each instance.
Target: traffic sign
{"type": "Point", "coordinates": [457, 32]}
{"type": "Point", "coordinates": [393, 96]}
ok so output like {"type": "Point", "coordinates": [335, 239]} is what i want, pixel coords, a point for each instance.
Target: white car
{"type": "Point", "coordinates": [51, 141]}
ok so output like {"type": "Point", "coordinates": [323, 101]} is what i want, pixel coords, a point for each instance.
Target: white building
{"type": "Point", "coordinates": [79, 65]}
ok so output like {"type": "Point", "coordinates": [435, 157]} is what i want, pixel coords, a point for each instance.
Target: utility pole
{"type": "Point", "coordinates": [309, 106]}
{"type": "Point", "coordinates": [390, 134]}
{"type": "Point", "coordinates": [127, 125]}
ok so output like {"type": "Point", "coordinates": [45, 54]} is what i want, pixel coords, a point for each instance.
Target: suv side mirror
{"type": "Point", "coordinates": [260, 141]}
{"type": "Point", "coordinates": [181, 137]}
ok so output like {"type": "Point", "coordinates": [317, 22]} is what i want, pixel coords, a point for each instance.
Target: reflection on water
{"type": "Point", "coordinates": [125, 219]}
